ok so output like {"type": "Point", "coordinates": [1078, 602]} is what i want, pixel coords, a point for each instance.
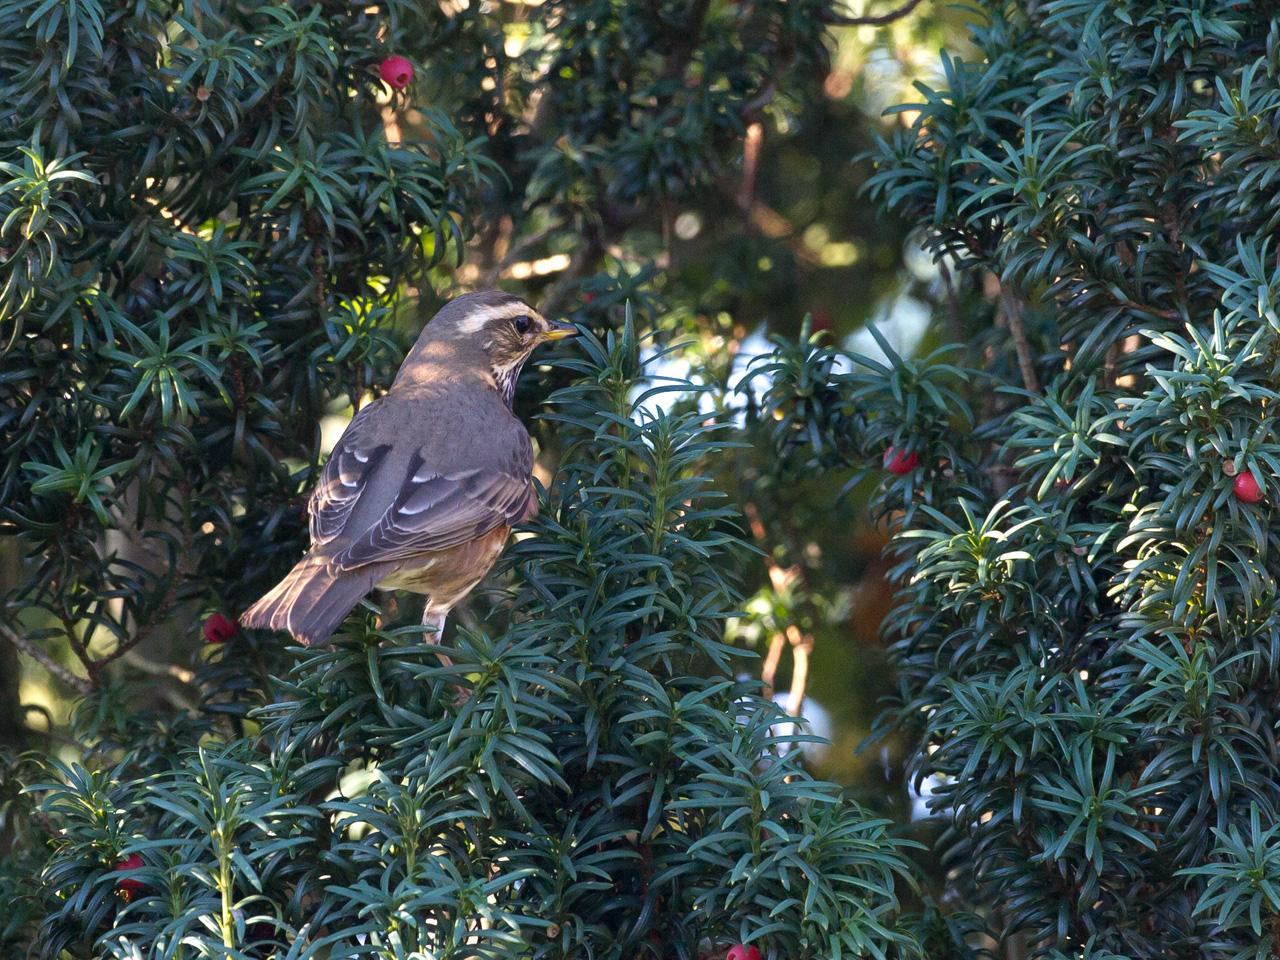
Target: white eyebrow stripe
{"type": "Point", "coordinates": [478, 320]}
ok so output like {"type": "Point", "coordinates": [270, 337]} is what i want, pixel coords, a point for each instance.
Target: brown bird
{"type": "Point", "coordinates": [426, 482]}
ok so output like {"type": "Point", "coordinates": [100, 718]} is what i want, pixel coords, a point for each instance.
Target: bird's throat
{"type": "Point", "coordinates": [504, 379]}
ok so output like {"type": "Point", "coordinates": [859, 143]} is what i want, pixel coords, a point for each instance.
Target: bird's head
{"type": "Point", "coordinates": [490, 328]}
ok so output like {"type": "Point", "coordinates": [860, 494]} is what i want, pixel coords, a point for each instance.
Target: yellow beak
{"type": "Point", "coordinates": [559, 330]}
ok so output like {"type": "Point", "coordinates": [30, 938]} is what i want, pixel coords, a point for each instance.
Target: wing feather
{"type": "Point", "coordinates": [344, 478]}
{"type": "Point", "coordinates": [437, 509]}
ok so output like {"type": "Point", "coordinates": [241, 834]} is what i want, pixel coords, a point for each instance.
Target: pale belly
{"type": "Point", "coordinates": [414, 579]}
{"type": "Point", "coordinates": [448, 575]}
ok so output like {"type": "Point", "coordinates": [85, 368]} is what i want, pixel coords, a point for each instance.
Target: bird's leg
{"type": "Point", "coordinates": [435, 618]}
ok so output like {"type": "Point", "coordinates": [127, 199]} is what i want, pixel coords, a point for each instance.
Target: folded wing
{"type": "Point", "coordinates": [439, 508]}
{"type": "Point", "coordinates": [354, 459]}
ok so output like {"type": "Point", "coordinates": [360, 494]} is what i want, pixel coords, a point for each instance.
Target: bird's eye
{"type": "Point", "coordinates": [523, 323]}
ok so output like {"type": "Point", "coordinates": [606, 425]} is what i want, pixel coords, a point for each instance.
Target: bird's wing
{"type": "Point", "coordinates": [440, 506]}
{"type": "Point", "coordinates": [345, 477]}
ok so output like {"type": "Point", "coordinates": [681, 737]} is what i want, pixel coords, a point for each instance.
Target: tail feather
{"type": "Point", "coordinates": [310, 602]}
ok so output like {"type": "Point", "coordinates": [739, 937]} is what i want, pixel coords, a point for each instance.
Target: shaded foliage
{"type": "Point", "coordinates": [203, 239]}
{"type": "Point", "coordinates": [1085, 626]}
{"type": "Point", "coordinates": [593, 781]}
{"type": "Point", "coordinates": [215, 225]}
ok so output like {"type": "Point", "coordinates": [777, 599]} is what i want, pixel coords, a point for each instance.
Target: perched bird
{"type": "Point", "coordinates": [426, 482]}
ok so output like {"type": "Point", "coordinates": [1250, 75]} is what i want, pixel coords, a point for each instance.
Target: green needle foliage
{"type": "Point", "coordinates": [215, 224]}
{"type": "Point", "coordinates": [591, 781]}
{"type": "Point", "coordinates": [202, 243]}
{"type": "Point", "coordinates": [1086, 625]}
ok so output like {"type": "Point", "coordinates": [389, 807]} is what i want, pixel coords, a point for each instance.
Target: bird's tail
{"type": "Point", "coordinates": [310, 602]}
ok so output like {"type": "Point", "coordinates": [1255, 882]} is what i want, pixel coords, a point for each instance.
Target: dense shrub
{"type": "Point", "coordinates": [218, 230]}
{"type": "Point", "coordinates": [1086, 628]}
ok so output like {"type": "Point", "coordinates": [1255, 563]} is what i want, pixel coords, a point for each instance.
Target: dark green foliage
{"type": "Point", "coordinates": [591, 782]}
{"type": "Point", "coordinates": [203, 231]}
{"type": "Point", "coordinates": [186, 284]}
{"type": "Point", "coordinates": [215, 228]}
{"type": "Point", "coordinates": [1086, 625]}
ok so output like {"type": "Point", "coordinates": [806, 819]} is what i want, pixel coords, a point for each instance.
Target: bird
{"type": "Point", "coordinates": [426, 482]}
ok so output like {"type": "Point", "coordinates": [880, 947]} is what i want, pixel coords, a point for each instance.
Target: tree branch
{"type": "Point", "coordinates": [520, 247]}
{"type": "Point", "coordinates": [139, 662]}
{"type": "Point", "coordinates": [23, 645]}
{"type": "Point", "coordinates": [78, 647]}
{"type": "Point", "coordinates": [1013, 315]}
{"type": "Point", "coordinates": [801, 643]}
{"type": "Point", "coordinates": [750, 167]}
{"type": "Point", "coordinates": [769, 669]}
{"type": "Point", "coordinates": [838, 20]}
{"type": "Point", "coordinates": [761, 217]}
{"type": "Point", "coordinates": [953, 303]}
{"type": "Point", "coordinates": [801, 647]}
{"type": "Point", "coordinates": [588, 254]}
{"type": "Point", "coordinates": [1154, 311]}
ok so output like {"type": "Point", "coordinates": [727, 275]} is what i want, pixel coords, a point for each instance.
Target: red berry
{"type": "Point", "coordinates": [218, 629]}
{"type": "Point", "coordinates": [900, 462]}
{"type": "Point", "coordinates": [588, 297]}
{"type": "Point", "coordinates": [1246, 488]}
{"type": "Point", "coordinates": [740, 951]}
{"type": "Point", "coordinates": [396, 71]}
{"type": "Point", "coordinates": [127, 886]}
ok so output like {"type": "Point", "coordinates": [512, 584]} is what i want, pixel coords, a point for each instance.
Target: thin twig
{"type": "Point", "coordinates": [801, 647]}
{"type": "Point", "coordinates": [584, 260]}
{"type": "Point", "coordinates": [838, 20]}
{"type": "Point", "coordinates": [1147, 308]}
{"type": "Point", "coordinates": [24, 645]}
{"type": "Point", "coordinates": [768, 222]}
{"type": "Point", "coordinates": [78, 646]}
{"type": "Point", "coordinates": [1013, 314]}
{"type": "Point", "coordinates": [1109, 366]}
{"type": "Point", "coordinates": [139, 662]}
{"type": "Point", "coordinates": [769, 670]}
{"type": "Point", "coordinates": [953, 302]}
{"type": "Point", "coordinates": [754, 108]}
{"type": "Point", "coordinates": [780, 580]}
{"type": "Point", "coordinates": [750, 166]}
{"type": "Point", "coordinates": [520, 247]}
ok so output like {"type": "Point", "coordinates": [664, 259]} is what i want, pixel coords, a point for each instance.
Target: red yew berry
{"type": "Point", "coordinates": [127, 887]}
{"type": "Point", "coordinates": [740, 951]}
{"type": "Point", "coordinates": [218, 629]}
{"type": "Point", "coordinates": [1246, 488]}
{"type": "Point", "coordinates": [396, 71]}
{"type": "Point", "coordinates": [900, 462]}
